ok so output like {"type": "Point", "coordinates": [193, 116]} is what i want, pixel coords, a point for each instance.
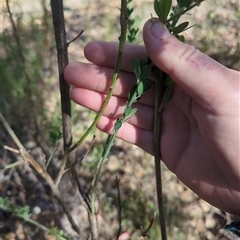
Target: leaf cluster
{"type": "Point", "coordinates": [132, 32]}
{"type": "Point", "coordinates": [169, 15]}
{"type": "Point", "coordinates": [142, 71]}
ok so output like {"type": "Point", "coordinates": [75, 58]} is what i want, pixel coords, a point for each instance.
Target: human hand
{"type": "Point", "coordinates": [200, 124]}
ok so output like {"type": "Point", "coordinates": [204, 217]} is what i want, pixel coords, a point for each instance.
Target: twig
{"type": "Point", "coordinates": [51, 156]}
{"type": "Point", "coordinates": [119, 209]}
{"type": "Point", "coordinates": [11, 165]}
{"type": "Point", "coordinates": [74, 39]}
{"type": "Point", "coordinates": [11, 149]}
{"type": "Point", "coordinates": [144, 234]}
{"type": "Point", "coordinates": [157, 148]}
{"type": "Point", "coordinates": [82, 158]}
{"type": "Point", "coordinates": [83, 194]}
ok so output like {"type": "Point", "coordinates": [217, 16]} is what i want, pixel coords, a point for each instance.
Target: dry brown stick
{"type": "Point", "coordinates": [62, 55]}
{"type": "Point", "coordinates": [29, 159]}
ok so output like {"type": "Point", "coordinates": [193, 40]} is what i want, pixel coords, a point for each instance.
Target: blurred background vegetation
{"type": "Point", "coordinates": [29, 100]}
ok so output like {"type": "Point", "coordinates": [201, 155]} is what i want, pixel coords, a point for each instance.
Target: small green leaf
{"type": "Point", "coordinates": [118, 125]}
{"type": "Point", "coordinates": [24, 211]}
{"type": "Point", "coordinates": [180, 38]}
{"type": "Point", "coordinates": [145, 72]}
{"type": "Point", "coordinates": [180, 28]}
{"type": "Point", "coordinates": [54, 135]}
{"type": "Point", "coordinates": [133, 111]}
{"type": "Point", "coordinates": [162, 9]}
{"type": "Point", "coordinates": [157, 9]}
{"type": "Point", "coordinates": [140, 89]}
{"type": "Point", "coordinates": [131, 22]}
{"type": "Point", "coordinates": [127, 111]}
{"type": "Point", "coordinates": [136, 68]}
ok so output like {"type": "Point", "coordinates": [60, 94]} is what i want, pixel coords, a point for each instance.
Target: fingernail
{"type": "Point", "coordinates": [159, 31]}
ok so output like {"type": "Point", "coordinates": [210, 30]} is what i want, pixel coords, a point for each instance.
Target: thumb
{"type": "Point", "coordinates": [197, 74]}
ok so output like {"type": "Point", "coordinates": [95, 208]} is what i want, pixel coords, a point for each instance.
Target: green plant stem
{"type": "Point", "coordinates": [105, 153]}
{"type": "Point", "coordinates": [122, 40]}
{"type": "Point", "coordinates": [11, 165]}
{"type": "Point", "coordinates": [40, 226]}
{"type": "Point", "coordinates": [107, 148]}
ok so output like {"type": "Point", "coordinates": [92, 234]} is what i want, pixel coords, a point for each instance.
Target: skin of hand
{"type": "Point", "coordinates": [200, 124]}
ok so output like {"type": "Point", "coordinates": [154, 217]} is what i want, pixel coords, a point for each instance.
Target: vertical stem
{"type": "Point", "coordinates": [122, 40]}
{"type": "Point", "coordinates": [62, 55]}
{"type": "Point", "coordinates": [157, 149]}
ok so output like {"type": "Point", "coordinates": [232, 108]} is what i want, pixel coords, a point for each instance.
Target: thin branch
{"type": "Point", "coordinates": [119, 209]}
{"type": "Point", "coordinates": [62, 168]}
{"type": "Point", "coordinates": [11, 149]}
{"type": "Point", "coordinates": [157, 148]}
{"type": "Point", "coordinates": [83, 195]}
{"type": "Point", "coordinates": [12, 165]}
{"type": "Point", "coordinates": [74, 39]}
{"type": "Point", "coordinates": [82, 158]}
{"type": "Point", "coordinates": [144, 234]}
{"type": "Point", "coordinates": [11, 132]}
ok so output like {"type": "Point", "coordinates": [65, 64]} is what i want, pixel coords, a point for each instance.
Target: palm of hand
{"type": "Point", "coordinates": [193, 147]}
